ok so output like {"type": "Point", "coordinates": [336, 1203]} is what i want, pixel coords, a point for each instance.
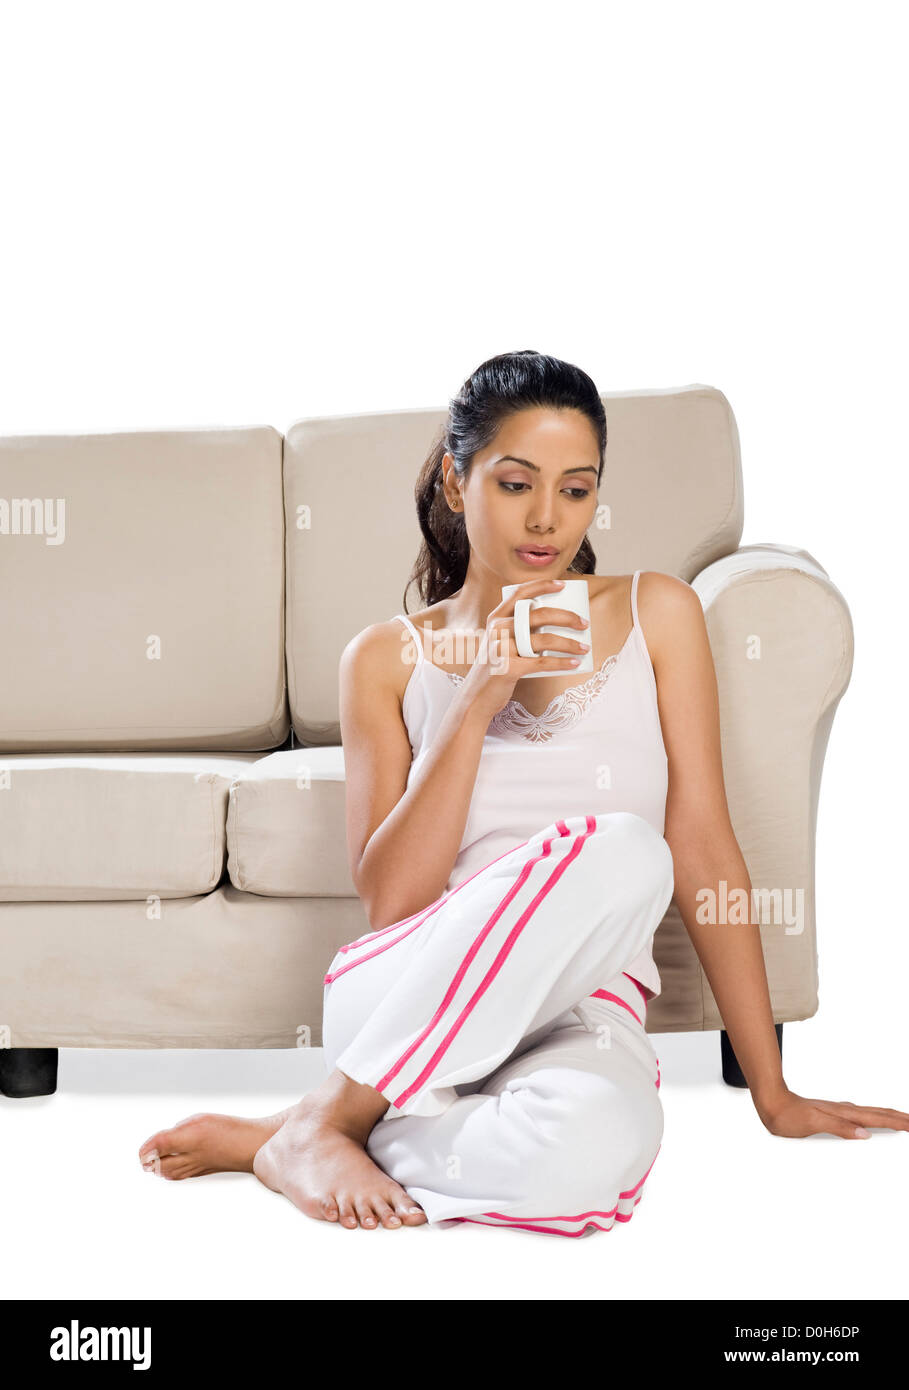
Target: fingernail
{"type": "Point", "coordinates": [861, 1133]}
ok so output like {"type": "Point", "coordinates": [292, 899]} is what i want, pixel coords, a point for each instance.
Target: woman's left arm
{"type": "Point", "coordinates": [705, 853]}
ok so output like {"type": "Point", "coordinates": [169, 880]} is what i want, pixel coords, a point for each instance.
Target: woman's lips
{"type": "Point", "coordinates": [529, 557]}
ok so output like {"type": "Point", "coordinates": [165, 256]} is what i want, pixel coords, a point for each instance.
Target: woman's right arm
{"type": "Point", "coordinates": [402, 841]}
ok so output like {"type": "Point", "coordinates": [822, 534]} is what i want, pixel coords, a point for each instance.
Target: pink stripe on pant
{"type": "Point", "coordinates": [501, 1026]}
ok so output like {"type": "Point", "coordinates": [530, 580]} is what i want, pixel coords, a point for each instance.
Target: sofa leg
{"type": "Point", "coordinates": [732, 1072]}
{"type": "Point", "coordinates": [28, 1071]}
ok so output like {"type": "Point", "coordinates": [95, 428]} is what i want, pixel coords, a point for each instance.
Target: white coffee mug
{"type": "Point", "coordinates": [575, 596]}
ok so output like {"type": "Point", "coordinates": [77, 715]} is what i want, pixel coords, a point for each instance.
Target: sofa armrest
{"type": "Point", "coordinates": [782, 642]}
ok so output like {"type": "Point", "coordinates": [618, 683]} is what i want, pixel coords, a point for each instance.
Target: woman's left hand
{"type": "Point", "coordinates": [794, 1117]}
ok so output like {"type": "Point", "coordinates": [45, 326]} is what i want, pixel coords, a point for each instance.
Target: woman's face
{"type": "Point", "coordinates": [535, 486]}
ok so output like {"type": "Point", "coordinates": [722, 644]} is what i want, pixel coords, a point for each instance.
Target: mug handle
{"type": "Point", "coordinates": [522, 627]}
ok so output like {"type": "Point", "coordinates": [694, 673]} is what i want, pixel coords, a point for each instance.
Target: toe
{"type": "Point", "coordinates": [329, 1209]}
{"type": "Point", "coordinates": [171, 1166]}
{"type": "Point", "coordinates": [408, 1210]}
{"type": "Point", "coordinates": [365, 1214]}
{"type": "Point", "coordinates": [348, 1216]}
{"type": "Point", "coordinates": [155, 1144]}
{"type": "Point", "coordinates": [386, 1215]}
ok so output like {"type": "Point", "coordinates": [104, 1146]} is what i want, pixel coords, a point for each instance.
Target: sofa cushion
{"type": "Point", "coordinates": [108, 826]}
{"type": "Point", "coordinates": [225, 969]}
{"type": "Point", "coordinates": [286, 834]}
{"type": "Point", "coordinates": [148, 574]}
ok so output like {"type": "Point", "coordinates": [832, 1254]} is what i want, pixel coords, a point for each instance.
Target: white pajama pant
{"type": "Point", "coordinates": [499, 1023]}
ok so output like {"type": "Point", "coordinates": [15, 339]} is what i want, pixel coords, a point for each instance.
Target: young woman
{"type": "Point", "coordinates": [516, 844]}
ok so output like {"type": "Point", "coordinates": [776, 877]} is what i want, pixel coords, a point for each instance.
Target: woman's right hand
{"type": "Point", "coordinates": [490, 683]}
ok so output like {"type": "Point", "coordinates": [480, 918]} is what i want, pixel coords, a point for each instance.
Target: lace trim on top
{"type": "Point", "coordinates": [561, 713]}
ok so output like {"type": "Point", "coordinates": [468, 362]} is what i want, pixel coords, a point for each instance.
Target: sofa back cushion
{"type": "Point", "coordinates": [142, 581]}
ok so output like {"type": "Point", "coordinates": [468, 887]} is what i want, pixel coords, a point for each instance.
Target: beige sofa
{"type": "Point", "coordinates": [173, 861]}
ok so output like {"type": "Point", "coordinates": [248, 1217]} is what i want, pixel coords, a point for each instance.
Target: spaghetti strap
{"type": "Point", "coordinates": [421, 655]}
{"type": "Point", "coordinates": [634, 601]}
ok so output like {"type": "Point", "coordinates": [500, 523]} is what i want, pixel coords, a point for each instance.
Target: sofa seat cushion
{"type": "Point", "coordinates": [113, 826]}
{"type": "Point", "coordinates": [286, 834]}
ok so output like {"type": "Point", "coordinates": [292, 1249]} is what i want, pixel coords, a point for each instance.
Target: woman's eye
{"type": "Point", "coordinates": [578, 492]}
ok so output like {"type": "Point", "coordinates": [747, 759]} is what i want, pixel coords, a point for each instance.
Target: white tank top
{"type": "Point", "coordinates": [597, 747]}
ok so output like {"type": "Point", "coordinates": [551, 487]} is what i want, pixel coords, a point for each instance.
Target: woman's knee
{"type": "Point", "coordinates": [641, 852]}
{"type": "Point", "coordinates": [623, 839]}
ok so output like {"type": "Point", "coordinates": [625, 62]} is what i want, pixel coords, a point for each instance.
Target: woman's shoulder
{"type": "Point", "coordinates": [669, 612]}
{"type": "Point", "coordinates": [384, 652]}
{"type": "Point", "coordinates": [665, 596]}
{"type": "Point", "coordinates": [654, 581]}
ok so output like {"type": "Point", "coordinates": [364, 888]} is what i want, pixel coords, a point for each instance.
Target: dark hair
{"type": "Point", "coordinates": [499, 388]}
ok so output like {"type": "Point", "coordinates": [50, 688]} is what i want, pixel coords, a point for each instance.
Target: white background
{"type": "Point", "coordinates": [221, 214]}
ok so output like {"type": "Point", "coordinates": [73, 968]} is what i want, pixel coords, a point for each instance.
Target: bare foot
{"type": "Point", "coordinates": [206, 1143]}
{"type": "Point", "coordinates": [317, 1159]}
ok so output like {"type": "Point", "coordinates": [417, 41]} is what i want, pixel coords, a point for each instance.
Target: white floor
{"type": "Point", "coordinates": [730, 1210]}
